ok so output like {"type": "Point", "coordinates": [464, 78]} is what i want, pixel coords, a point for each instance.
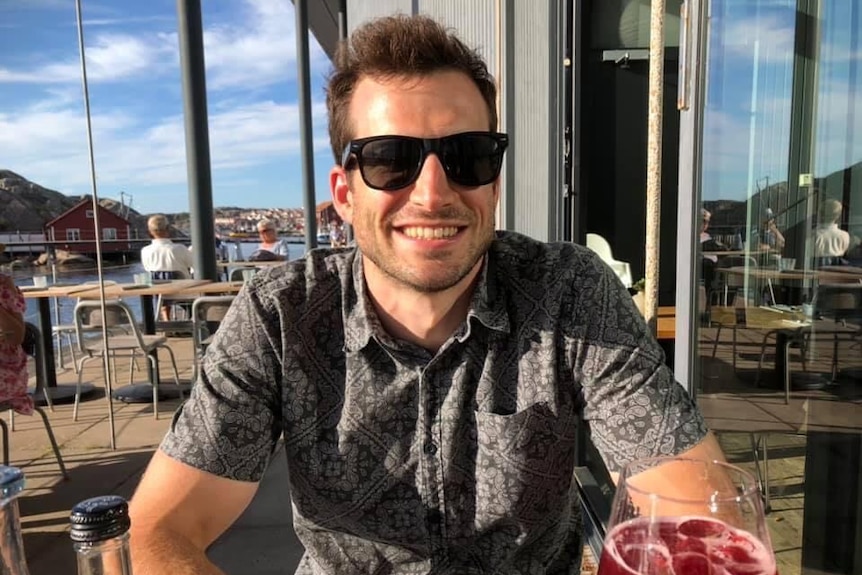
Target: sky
{"type": "Point", "coordinates": [135, 88]}
{"type": "Point", "coordinates": [749, 79]}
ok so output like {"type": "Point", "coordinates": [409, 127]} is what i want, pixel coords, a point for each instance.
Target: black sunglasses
{"type": "Point", "coordinates": [392, 162]}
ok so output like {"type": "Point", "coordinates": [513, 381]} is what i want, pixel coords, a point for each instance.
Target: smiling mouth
{"type": "Point", "coordinates": [430, 233]}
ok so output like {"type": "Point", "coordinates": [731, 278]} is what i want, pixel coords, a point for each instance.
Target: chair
{"type": "Point", "coordinates": [68, 330]}
{"type": "Point", "coordinates": [207, 314]}
{"type": "Point", "coordinates": [840, 307]}
{"type": "Point", "coordinates": [726, 283]}
{"type": "Point", "coordinates": [239, 274]}
{"type": "Point", "coordinates": [35, 350]}
{"type": "Point", "coordinates": [94, 347]}
{"type": "Point", "coordinates": [601, 246]}
{"type": "Point", "coordinates": [166, 277]}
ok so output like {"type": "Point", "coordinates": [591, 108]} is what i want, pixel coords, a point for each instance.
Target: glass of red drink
{"type": "Point", "coordinates": [715, 526]}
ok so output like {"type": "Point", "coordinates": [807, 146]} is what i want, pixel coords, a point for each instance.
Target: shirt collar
{"type": "Point", "coordinates": [361, 322]}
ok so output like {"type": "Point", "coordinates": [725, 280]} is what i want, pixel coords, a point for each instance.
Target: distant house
{"type": "Point", "coordinates": [74, 230]}
{"type": "Point", "coordinates": [327, 216]}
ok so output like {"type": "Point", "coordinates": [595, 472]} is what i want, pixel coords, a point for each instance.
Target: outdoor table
{"type": "Point", "coordinates": [816, 276]}
{"type": "Point", "coordinates": [212, 288]}
{"type": "Point", "coordinates": [138, 393]}
{"type": "Point", "coordinates": [42, 297]}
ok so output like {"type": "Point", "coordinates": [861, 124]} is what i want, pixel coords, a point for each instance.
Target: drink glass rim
{"type": "Point", "coordinates": [750, 486]}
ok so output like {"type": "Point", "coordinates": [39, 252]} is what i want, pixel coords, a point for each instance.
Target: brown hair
{"type": "Point", "coordinates": [398, 46]}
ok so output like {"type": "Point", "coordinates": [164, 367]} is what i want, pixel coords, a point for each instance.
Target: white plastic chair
{"type": "Point", "coordinates": [601, 246]}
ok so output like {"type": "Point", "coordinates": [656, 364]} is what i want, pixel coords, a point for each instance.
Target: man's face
{"type": "Point", "coordinates": [429, 235]}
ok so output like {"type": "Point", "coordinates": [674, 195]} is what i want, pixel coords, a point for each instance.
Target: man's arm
{"type": "Point", "coordinates": [707, 449]}
{"type": "Point", "coordinates": [177, 512]}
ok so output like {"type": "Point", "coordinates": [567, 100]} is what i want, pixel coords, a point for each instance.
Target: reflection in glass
{"type": "Point", "coordinates": [781, 323]}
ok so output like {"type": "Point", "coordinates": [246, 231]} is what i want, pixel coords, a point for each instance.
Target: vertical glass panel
{"type": "Point", "coordinates": [779, 368]}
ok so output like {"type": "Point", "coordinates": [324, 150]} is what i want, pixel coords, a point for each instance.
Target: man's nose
{"type": "Point", "coordinates": [432, 189]}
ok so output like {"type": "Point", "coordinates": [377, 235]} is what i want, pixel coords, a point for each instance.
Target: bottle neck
{"type": "Point", "coordinates": [12, 559]}
{"type": "Point", "coordinates": [109, 557]}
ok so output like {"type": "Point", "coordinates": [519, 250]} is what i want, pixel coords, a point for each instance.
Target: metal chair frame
{"type": "Point", "coordinates": [40, 387]}
{"type": "Point", "coordinates": [95, 348]}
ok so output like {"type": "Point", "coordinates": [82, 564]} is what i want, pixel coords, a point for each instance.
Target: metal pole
{"type": "Point", "coordinates": [304, 88]}
{"type": "Point", "coordinates": [342, 37]}
{"type": "Point", "coordinates": [654, 137]}
{"type": "Point", "coordinates": [191, 40]}
{"type": "Point", "coordinates": [91, 157]}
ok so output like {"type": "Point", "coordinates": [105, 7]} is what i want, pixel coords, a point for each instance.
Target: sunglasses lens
{"type": "Point", "coordinates": [390, 163]}
{"type": "Point", "coordinates": [472, 159]}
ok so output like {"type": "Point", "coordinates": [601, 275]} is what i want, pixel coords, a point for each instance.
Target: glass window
{"type": "Point", "coordinates": [73, 235]}
{"type": "Point", "coordinates": [778, 356]}
{"type": "Point", "coordinates": [109, 233]}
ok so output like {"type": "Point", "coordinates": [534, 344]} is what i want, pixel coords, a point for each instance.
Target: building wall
{"type": "Point", "coordinates": [77, 218]}
{"type": "Point", "coordinates": [513, 37]}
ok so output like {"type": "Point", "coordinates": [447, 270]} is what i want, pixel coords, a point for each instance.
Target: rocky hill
{"type": "Point", "coordinates": [27, 206]}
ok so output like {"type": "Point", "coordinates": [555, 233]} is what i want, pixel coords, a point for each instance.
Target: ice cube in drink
{"type": "Point", "coordinates": [683, 546]}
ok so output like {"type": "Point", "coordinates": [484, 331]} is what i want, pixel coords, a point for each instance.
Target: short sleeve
{"type": "Point", "coordinates": [232, 420]}
{"type": "Point", "coordinates": [633, 406]}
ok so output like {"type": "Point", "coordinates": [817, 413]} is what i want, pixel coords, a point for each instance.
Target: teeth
{"type": "Point", "coordinates": [429, 233]}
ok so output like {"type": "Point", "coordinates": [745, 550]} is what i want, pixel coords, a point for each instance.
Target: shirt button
{"type": "Point", "coordinates": [430, 448]}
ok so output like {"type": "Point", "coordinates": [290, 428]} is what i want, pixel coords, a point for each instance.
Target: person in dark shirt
{"type": "Point", "coordinates": [429, 382]}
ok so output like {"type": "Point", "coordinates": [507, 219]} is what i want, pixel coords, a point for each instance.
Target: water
{"type": "Point", "coordinates": [62, 308]}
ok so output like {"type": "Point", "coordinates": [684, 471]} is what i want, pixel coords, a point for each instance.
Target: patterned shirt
{"type": "Point", "coordinates": [461, 461]}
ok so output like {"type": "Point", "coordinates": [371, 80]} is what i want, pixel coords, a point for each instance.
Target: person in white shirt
{"type": "Point", "coordinates": [163, 258]}
{"type": "Point", "coordinates": [830, 241]}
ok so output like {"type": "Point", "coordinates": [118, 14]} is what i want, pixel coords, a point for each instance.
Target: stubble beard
{"type": "Point", "coordinates": [450, 270]}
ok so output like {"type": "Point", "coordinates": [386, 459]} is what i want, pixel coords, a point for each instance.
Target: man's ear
{"type": "Point", "coordinates": [342, 197]}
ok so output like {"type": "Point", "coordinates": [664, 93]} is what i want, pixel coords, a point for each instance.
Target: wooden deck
{"type": "Point", "coordinates": [735, 409]}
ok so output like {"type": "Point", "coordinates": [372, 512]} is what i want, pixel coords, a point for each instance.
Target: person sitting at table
{"type": "Point", "coordinates": [708, 244]}
{"type": "Point", "coordinates": [771, 238]}
{"type": "Point", "coordinates": [830, 241]}
{"type": "Point", "coordinates": [270, 242]}
{"type": "Point", "coordinates": [430, 382]}
{"type": "Point", "coordinates": [13, 359]}
{"type": "Point", "coordinates": [165, 259]}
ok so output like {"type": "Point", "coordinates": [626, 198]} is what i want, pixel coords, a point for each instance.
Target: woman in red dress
{"type": "Point", "coordinates": [13, 360]}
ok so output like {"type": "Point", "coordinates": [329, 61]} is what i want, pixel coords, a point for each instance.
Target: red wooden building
{"type": "Point", "coordinates": [74, 230]}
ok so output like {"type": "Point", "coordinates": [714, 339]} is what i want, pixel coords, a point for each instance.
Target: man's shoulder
{"type": "Point", "coordinates": [523, 258]}
{"type": "Point", "coordinates": [306, 278]}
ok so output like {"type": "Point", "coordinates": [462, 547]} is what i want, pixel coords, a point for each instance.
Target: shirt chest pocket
{"type": "Point", "coordinates": [524, 464]}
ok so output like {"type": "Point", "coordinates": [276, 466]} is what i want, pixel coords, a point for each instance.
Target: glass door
{"type": "Point", "coordinates": [771, 144]}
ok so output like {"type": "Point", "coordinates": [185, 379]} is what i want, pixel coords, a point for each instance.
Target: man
{"type": "Point", "coordinates": [830, 241]}
{"type": "Point", "coordinates": [276, 249]}
{"type": "Point", "coordinates": [163, 258]}
{"type": "Point", "coordinates": [428, 382]}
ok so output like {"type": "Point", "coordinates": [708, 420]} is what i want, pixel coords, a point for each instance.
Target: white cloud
{"type": "Point", "coordinates": [110, 58]}
{"type": "Point", "coordinates": [257, 50]}
{"type": "Point", "coordinates": [129, 153]}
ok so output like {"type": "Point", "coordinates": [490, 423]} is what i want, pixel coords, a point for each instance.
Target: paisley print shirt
{"type": "Point", "coordinates": [461, 461]}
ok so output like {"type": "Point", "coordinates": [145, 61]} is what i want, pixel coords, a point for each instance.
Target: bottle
{"type": "Point", "coordinates": [100, 535]}
{"type": "Point", "coordinates": [12, 559]}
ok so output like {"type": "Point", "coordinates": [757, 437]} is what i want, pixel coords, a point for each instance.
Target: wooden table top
{"type": "Point", "coordinates": [666, 322]}
{"type": "Point", "coordinates": [59, 290]}
{"type": "Point", "coordinates": [772, 274]}
{"type": "Point", "coordinates": [212, 288]}
{"type": "Point", "coordinates": [128, 289]}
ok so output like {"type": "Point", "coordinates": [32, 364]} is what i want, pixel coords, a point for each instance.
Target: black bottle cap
{"type": "Point", "coordinates": [11, 482]}
{"type": "Point", "coordinates": [99, 519]}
